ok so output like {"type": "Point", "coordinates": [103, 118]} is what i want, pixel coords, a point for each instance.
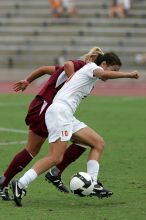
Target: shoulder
{"type": "Point", "coordinates": [78, 64]}
{"type": "Point", "coordinates": [90, 66]}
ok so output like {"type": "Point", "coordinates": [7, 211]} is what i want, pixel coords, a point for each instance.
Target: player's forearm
{"type": "Point", "coordinates": [34, 75]}
{"type": "Point", "coordinates": [107, 74]}
{"type": "Point", "coordinates": [40, 72]}
{"type": "Point", "coordinates": [116, 75]}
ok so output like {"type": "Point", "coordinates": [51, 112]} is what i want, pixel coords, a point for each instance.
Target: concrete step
{"type": "Point", "coordinates": [82, 41]}
{"type": "Point", "coordinates": [54, 50]}
{"type": "Point", "coordinates": [64, 22]}
{"type": "Point", "coordinates": [73, 30]}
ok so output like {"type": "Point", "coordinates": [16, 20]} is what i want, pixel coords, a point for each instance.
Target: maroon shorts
{"type": "Point", "coordinates": [36, 120]}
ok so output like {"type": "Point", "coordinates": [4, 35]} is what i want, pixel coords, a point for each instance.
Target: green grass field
{"type": "Point", "coordinates": [122, 123]}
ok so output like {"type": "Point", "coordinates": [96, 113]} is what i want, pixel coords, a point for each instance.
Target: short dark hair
{"type": "Point", "coordinates": [111, 59]}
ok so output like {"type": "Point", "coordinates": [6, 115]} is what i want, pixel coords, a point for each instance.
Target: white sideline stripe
{"type": "Point", "coordinates": [12, 142]}
{"type": "Point", "coordinates": [11, 105]}
{"type": "Point", "coordinates": [14, 130]}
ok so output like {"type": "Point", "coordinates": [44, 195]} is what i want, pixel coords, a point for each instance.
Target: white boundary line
{"type": "Point", "coordinates": [10, 105]}
{"type": "Point", "coordinates": [13, 130]}
{"type": "Point", "coordinates": [12, 143]}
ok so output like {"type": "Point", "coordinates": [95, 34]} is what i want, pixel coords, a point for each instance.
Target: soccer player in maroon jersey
{"type": "Point", "coordinates": [36, 122]}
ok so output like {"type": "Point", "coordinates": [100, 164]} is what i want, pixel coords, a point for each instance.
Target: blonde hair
{"type": "Point", "coordinates": [92, 54]}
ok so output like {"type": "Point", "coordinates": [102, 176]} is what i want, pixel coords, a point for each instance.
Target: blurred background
{"type": "Point", "coordinates": [47, 32]}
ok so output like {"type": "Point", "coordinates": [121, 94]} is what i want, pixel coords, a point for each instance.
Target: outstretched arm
{"type": "Point", "coordinates": [107, 74]}
{"type": "Point", "coordinates": [22, 84]}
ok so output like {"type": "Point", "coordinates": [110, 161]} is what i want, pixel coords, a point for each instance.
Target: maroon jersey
{"type": "Point", "coordinates": [35, 118]}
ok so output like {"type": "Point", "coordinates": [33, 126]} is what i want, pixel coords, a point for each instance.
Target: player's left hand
{"type": "Point", "coordinates": [20, 85]}
{"type": "Point", "coordinates": [135, 74]}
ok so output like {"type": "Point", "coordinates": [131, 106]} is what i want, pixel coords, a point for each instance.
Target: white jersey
{"type": "Point", "coordinates": [77, 87]}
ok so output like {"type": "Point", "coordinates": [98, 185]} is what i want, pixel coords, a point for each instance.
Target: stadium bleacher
{"type": "Point", "coordinates": [31, 37]}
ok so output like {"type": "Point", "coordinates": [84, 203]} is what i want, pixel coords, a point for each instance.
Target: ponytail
{"type": "Point", "coordinates": [92, 54]}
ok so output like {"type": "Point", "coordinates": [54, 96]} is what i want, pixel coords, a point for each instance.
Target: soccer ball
{"type": "Point", "coordinates": [81, 184]}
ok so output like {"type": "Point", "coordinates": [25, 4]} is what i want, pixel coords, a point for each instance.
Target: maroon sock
{"type": "Point", "coordinates": [17, 164]}
{"type": "Point", "coordinates": [72, 153]}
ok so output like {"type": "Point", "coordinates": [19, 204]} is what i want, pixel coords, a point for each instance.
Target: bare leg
{"type": "Point", "coordinates": [73, 152]}
{"type": "Point", "coordinates": [34, 143]}
{"type": "Point", "coordinates": [85, 136]}
{"type": "Point", "coordinates": [95, 141]}
{"type": "Point", "coordinates": [55, 156]}
{"type": "Point", "coordinates": [56, 152]}
{"type": "Point", "coordinates": [89, 137]}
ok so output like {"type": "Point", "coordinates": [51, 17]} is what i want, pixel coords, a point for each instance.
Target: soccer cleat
{"type": "Point", "coordinates": [2, 179]}
{"type": "Point", "coordinates": [17, 193]}
{"type": "Point", "coordinates": [100, 191]}
{"type": "Point", "coordinates": [99, 183]}
{"type": "Point", "coordinates": [4, 193]}
{"type": "Point", "coordinates": [57, 182]}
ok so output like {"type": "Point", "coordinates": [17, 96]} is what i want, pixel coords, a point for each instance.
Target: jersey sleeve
{"type": "Point", "coordinates": [91, 67]}
{"type": "Point", "coordinates": [78, 64]}
{"type": "Point", "coordinates": [58, 67]}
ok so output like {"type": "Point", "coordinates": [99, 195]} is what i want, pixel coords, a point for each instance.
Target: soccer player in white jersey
{"type": "Point", "coordinates": [60, 119]}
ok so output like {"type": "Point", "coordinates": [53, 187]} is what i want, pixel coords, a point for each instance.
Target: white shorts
{"type": "Point", "coordinates": [61, 123]}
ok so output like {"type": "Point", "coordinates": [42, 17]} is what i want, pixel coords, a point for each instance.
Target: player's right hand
{"type": "Point", "coordinates": [20, 85]}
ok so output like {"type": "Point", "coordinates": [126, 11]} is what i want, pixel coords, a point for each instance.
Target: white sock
{"type": "Point", "coordinates": [93, 169]}
{"type": "Point", "coordinates": [27, 178]}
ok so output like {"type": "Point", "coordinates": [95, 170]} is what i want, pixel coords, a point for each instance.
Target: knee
{"type": "Point", "coordinates": [100, 144]}
{"type": "Point", "coordinates": [56, 159]}
{"type": "Point", "coordinates": [33, 152]}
